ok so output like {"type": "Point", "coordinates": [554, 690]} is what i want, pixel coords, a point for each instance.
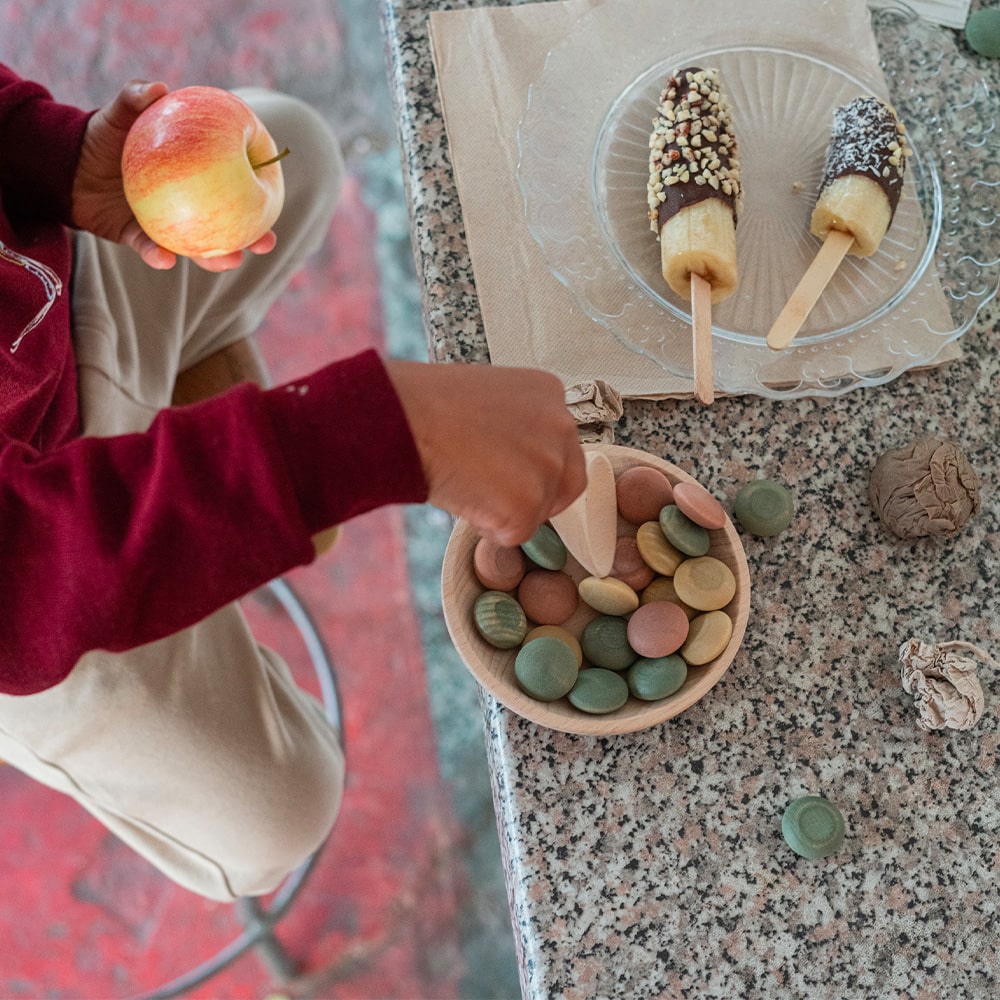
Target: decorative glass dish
{"type": "Point", "coordinates": [584, 164]}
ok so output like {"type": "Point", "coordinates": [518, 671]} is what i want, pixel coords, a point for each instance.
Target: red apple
{"type": "Point", "coordinates": [201, 173]}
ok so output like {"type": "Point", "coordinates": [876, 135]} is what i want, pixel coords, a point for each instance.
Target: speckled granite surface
{"type": "Point", "coordinates": [652, 865]}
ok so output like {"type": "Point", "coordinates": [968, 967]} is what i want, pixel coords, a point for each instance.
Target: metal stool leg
{"type": "Point", "coordinates": [259, 920]}
{"type": "Point", "coordinates": [267, 948]}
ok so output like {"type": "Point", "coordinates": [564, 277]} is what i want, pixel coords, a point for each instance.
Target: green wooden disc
{"type": "Point", "coordinates": [764, 507]}
{"type": "Point", "coordinates": [682, 533]}
{"type": "Point", "coordinates": [545, 668]}
{"type": "Point", "coordinates": [650, 679]}
{"type": "Point", "coordinates": [813, 827]}
{"type": "Point", "coordinates": [545, 548]}
{"type": "Point", "coordinates": [499, 619]}
{"type": "Point", "coordinates": [598, 691]}
{"type": "Point", "coordinates": [982, 32]}
{"type": "Point", "coordinates": [605, 643]}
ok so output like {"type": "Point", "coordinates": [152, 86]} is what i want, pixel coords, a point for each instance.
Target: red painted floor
{"type": "Point", "coordinates": [80, 916]}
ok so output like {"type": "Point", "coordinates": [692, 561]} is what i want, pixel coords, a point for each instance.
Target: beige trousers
{"type": "Point", "coordinates": [199, 751]}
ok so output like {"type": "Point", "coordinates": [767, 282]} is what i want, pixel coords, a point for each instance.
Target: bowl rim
{"type": "Point", "coordinates": [635, 715]}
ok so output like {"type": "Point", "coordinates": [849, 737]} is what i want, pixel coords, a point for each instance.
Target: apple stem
{"type": "Point", "coordinates": [274, 159]}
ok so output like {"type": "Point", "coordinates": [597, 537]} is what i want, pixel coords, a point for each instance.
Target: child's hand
{"type": "Point", "coordinates": [498, 445]}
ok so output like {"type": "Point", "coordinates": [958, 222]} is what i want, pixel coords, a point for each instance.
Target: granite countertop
{"type": "Point", "coordinates": [652, 865]}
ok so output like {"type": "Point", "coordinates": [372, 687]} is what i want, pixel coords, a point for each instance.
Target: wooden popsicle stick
{"type": "Point", "coordinates": [589, 525]}
{"type": "Point", "coordinates": [809, 289]}
{"type": "Point", "coordinates": [701, 331]}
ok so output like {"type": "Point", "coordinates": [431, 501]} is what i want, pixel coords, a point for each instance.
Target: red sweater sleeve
{"type": "Point", "coordinates": [109, 543]}
{"type": "Point", "coordinates": [40, 140]}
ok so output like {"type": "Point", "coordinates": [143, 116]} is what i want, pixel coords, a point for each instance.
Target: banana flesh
{"type": "Point", "coordinates": [700, 239]}
{"type": "Point", "coordinates": [854, 205]}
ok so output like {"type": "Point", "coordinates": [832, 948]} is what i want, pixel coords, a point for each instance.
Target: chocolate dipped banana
{"type": "Point", "coordinates": [859, 191]}
{"type": "Point", "coordinates": [694, 197]}
{"type": "Point", "coordinates": [694, 183]}
{"type": "Point", "coordinates": [863, 174]}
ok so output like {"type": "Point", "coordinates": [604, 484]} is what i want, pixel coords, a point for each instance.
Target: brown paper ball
{"type": "Point", "coordinates": [926, 488]}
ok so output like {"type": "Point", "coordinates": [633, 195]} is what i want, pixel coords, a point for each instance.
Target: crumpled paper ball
{"type": "Point", "coordinates": [926, 488]}
{"type": "Point", "coordinates": [596, 407]}
{"type": "Point", "coordinates": [942, 679]}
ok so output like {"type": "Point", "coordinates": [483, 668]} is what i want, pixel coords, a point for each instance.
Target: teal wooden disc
{"type": "Point", "coordinates": [813, 827]}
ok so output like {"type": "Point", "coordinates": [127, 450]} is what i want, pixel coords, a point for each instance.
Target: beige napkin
{"type": "Point", "coordinates": [485, 59]}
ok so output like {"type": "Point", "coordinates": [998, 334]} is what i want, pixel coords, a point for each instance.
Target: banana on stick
{"type": "Point", "coordinates": [694, 192]}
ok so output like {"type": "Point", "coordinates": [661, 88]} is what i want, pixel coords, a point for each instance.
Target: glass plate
{"type": "Point", "coordinates": [583, 169]}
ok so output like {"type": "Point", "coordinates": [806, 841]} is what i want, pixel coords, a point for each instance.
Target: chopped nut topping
{"type": "Point", "coordinates": [692, 140]}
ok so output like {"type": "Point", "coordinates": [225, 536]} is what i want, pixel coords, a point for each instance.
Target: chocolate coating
{"type": "Point", "coordinates": [868, 140]}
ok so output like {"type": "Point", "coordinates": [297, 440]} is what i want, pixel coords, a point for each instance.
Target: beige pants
{"type": "Point", "coordinates": [198, 750]}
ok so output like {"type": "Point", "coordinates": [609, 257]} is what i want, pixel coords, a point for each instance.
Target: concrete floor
{"type": "Point", "coordinates": [407, 901]}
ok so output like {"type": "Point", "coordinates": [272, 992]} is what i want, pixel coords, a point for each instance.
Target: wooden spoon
{"type": "Point", "coordinates": [589, 525]}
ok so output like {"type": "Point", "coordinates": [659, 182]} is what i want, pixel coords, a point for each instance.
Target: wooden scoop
{"type": "Point", "coordinates": [589, 525]}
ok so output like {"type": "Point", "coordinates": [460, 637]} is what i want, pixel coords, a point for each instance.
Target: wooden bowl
{"type": "Point", "coordinates": [494, 668]}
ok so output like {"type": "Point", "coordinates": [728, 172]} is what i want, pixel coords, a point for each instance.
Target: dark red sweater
{"type": "Point", "coordinates": [109, 543]}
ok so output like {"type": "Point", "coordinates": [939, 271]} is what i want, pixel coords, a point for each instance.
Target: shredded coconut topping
{"type": "Point", "coordinates": [867, 139]}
